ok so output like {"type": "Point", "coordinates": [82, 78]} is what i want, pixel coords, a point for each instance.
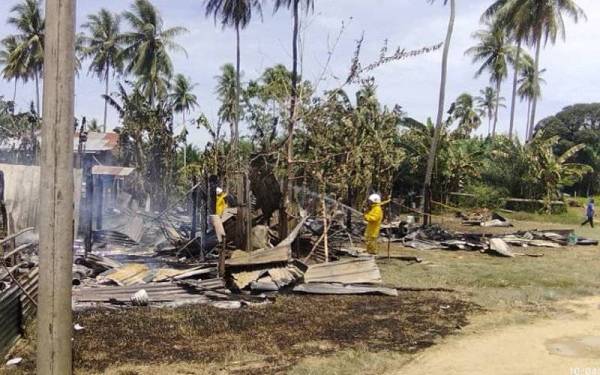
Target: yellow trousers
{"type": "Point", "coordinates": [371, 245]}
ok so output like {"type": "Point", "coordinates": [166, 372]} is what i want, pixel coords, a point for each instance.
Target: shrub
{"type": "Point", "coordinates": [482, 196]}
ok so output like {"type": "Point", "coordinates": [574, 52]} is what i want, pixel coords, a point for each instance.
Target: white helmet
{"type": "Point", "coordinates": [375, 198]}
{"type": "Point", "coordinates": [219, 190]}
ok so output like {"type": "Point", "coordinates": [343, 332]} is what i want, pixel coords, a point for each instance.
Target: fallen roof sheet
{"type": "Point", "coordinates": [335, 288]}
{"type": "Point", "coordinates": [202, 291]}
{"type": "Point", "coordinates": [130, 234]}
{"type": "Point", "coordinates": [265, 256]}
{"type": "Point", "coordinates": [352, 271]}
{"type": "Point", "coordinates": [501, 247]}
{"type": "Point", "coordinates": [245, 278]}
{"type": "Point", "coordinates": [129, 274]}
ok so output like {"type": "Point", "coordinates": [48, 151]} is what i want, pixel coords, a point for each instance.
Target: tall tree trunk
{"type": "Point", "coordinates": [15, 95]}
{"type": "Point", "coordinates": [37, 92]}
{"type": "Point", "coordinates": [497, 106]}
{"type": "Point", "coordinates": [106, 78]}
{"type": "Point", "coordinates": [536, 73]}
{"type": "Point", "coordinates": [527, 125]}
{"type": "Point", "coordinates": [242, 216]}
{"type": "Point", "coordinates": [236, 129]}
{"type": "Point", "coordinates": [514, 91]}
{"type": "Point", "coordinates": [287, 193]}
{"type": "Point", "coordinates": [489, 124]}
{"type": "Point", "coordinates": [426, 201]}
{"type": "Point", "coordinates": [185, 140]}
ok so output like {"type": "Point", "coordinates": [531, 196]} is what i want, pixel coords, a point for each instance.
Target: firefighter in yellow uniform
{"type": "Point", "coordinates": [221, 203]}
{"type": "Point", "coordinates": [373, 217]}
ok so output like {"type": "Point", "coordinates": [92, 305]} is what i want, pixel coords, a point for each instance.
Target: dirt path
{"type": "Point", "coordinates": [566, 344]}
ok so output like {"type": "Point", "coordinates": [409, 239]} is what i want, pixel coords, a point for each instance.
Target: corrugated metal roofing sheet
{"type": "Point", "coordinates": [112, 171]}
{"type": "Point", "coordinates": [98, 142]}
{"type": "Point", "coordinates": [355, 271]}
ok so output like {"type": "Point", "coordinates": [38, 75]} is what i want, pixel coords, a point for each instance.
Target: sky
{"type": "Point", "coordinates": [571, 66]}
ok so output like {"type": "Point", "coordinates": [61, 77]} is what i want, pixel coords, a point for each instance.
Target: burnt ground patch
{"type": "Point", "coordinates": [281, 333]}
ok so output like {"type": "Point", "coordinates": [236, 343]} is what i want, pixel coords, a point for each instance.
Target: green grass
{"type": "Point", "coordinates": [566, 272]}
{"type": "Point", "coordinates": [573, 216]}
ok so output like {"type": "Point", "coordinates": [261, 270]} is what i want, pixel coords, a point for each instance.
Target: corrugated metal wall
{"type": "Point", "coordinates": [16, 309]}
{"type": "Point", "coordinates": [16, 305]}
{"type": "Point", "coordinates": [10, 318]}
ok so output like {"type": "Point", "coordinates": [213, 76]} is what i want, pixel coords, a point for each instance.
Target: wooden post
{"type": "Point", "coordinates": [89, 205]}
{"type": "Point", "coordinates": [54, 316]}
{"type": "Point", "coordinates": [325, 228]}
{"type": "Point", "coordinates": [194, 208]}
{"type": "Point", "coordinates": [203, 205]}
{"type": "Point", "coordinates": [248, 230]}
{"type": "Point", "coordinates": [99, 191]}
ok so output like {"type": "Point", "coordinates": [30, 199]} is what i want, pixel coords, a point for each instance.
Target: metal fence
{"type": "Point", "coordinates": [18, 290]}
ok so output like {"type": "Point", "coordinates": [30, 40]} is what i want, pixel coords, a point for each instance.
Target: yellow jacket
{"type": "Point", "coordinates": [221, 205]}
{"type": "Point", "coordinates": [373, 217]}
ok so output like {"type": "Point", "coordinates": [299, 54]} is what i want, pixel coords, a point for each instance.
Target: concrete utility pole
{"type": "Point", "coordinates": [56, 192]}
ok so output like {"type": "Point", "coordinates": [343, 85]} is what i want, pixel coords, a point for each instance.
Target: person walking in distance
{"type": "Point", "coordinates": [590, 211]}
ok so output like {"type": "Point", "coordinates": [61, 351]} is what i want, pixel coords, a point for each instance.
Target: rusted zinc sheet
{"type": "Point", "coordinates": [245, 278]}
{"type": "Point", "coordinates": [352, 271]}
{"type": "Point", "coordinates": [129, 274]}
{"type": "Point", "coordinates": [165, 274]}
{"type": "Point", "coordinates": [157, 292]}
{"type": "Point", "coordinates": [129, 234]}
{"type": "Point", "coordinates": [275, 277]}
{"type": "Point", "coordinates": [97, 142]}
{"type": "Point", "coordinates": [264, 256]}
{"type": "Point", "coordinates": [279, 254]}
{"type": "Point", "coordinates": [336, 288]}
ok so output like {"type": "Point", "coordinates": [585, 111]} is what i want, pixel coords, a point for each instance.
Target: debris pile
{"type": "Point", "coordinates": [484, 218]}
{"type": "Point", "coordinates": [434, 237]}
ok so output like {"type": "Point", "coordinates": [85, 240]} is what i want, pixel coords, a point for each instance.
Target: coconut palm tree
{"type": "Point", "coordinates": [487, 102]}
{"type": "Point", "coordinates": [183, 100]}
{"type": "Point", "coordinates": [465, 112]}
{"type": "Point", "coordinates": [227, 94]}
{"type": "Point", "coordinates": [147, 48]}
{"type": "Point", "coordinates": [13, 69]}
{"type": "Point", "coordinates": [497, 13]}
{"type": "Point", "coordinates": [236, 14]}
{"type": "Point", "coordinates": [103, 44]}
{"type": "Point", "coordinates": [496, 52]}
{"type": "Point", "coordinates": [294, 5]}
{"type": "Point", "coordinates": [536, 21]}
{"type": "Point", "coordinates": [182, 97]}
{"type": "Point", "coordinates": [426, 205]}
{"type": "Point", "coordinates": [28, 19]}
{"type": "Point", "coordinates": [529, 88]}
